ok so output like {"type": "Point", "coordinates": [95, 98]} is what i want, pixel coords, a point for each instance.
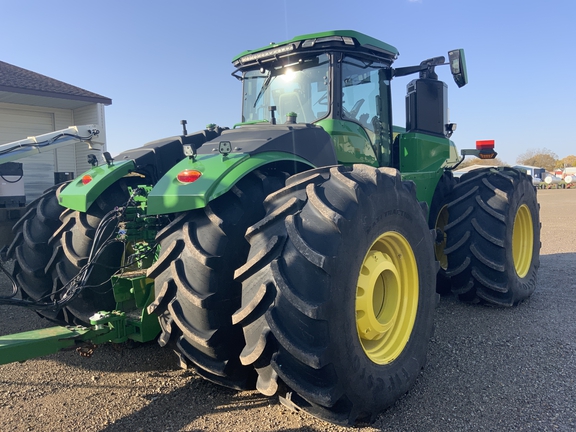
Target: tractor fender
{"type": "Point", "coordinates": [218, 174]}
{"type": "Point", "coordinates": [151, 162]}
{"type": "Point", "coordinates": [251, 147]}
{"type": "Point", "coordinates": [81, 192]}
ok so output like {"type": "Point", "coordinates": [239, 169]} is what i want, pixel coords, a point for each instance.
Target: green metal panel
{"type": "Point", "coordinates": [422, 160]}
{"type": "Point", "coordinates": [133, 291]}
{"type": "Point", "coordinates": [351, 142]}
{"type": "Point", "coordinates": [425, 183]}
{"type": "Point", "coordinates": [364, 40]}
{"type": "Point", "coordinates": [79, 196]}
{"type": "Point", "coordinates": [219, 174]}
{"type": "Point", "coordinates": [420, 152]}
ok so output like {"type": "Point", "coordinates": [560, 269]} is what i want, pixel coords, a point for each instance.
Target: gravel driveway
{"type": "Point", "coordinates": [488, 369]}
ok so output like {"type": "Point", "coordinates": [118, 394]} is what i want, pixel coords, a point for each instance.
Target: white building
{"type": "Point", "coordinates": [32, 104]}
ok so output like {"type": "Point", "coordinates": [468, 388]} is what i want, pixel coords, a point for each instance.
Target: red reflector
{"type": "Point", "coordinates": [86, 179]}
{"type": "Point", "coordinates": [188, 176]}
{"type": "Point", "coordinates": [485, 144]}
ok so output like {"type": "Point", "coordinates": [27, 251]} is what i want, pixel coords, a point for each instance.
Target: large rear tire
{"type": "Point", "coordinates": [338, 292]}
{"type": "Point", "coordinates": [195, 291]}
{"type": "Point", "coordinates": [30, 249]}
{"type": "Point", "coordinates": [493, 237]}
{"type": "Point", "coordinates": [52, 244]}
{"type": "Point", "coordinates": [71, 245]}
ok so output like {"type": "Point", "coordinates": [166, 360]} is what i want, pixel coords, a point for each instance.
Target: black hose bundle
{"type": "Point", "coordinates": [79, 282]}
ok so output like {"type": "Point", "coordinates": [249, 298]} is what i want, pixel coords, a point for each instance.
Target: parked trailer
{"type": "Point", "coordinates": [554, 182]}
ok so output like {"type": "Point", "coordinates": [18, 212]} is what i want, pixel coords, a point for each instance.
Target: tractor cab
{"type": "Point", "coordinates": [338, 80]}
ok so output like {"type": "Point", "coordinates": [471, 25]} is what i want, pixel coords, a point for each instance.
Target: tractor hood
{"type": "Point", "coordinates": [307, 141]}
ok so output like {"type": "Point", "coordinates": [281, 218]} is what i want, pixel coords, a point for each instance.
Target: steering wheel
{"type": "Point", "coordinates": [356, 108]}
{"type": "Point", "coordinates": [323, 99]}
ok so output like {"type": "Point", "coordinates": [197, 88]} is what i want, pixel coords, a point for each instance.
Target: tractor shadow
{"type": "Point", "coordinates": [185, 405]}
{"type": "Point", "coordinates": [201, 405]}
{"type": "Point", "coordinates": [482, 360]}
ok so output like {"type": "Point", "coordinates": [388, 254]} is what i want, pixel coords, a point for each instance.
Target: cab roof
{"type": "Point", "coordinates": [334, 39]}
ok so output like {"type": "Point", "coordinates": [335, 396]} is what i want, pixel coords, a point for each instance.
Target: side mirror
{"type": "Point", "coordinates": [458, 67]}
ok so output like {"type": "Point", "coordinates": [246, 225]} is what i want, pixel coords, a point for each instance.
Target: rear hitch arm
{"type": "Point", "coordinates": [105, 327]}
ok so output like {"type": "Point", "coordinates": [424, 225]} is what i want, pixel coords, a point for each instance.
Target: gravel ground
{"type": "Point", "coordinates": [488, 369]}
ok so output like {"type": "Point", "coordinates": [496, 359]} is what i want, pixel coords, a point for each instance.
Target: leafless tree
{"type": "Point", "coordinates": [543, 158]}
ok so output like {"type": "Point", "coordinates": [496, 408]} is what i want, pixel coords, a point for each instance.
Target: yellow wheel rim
{"type": "Point", "coordinates": [441, 222]}
{"type": "Point", "coordinates": [522, 240]}
{"type": "Point", "coordinates": [387, 298]}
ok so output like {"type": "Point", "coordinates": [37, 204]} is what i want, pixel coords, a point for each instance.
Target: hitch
{"type": "Point", "coordinates": [133, 291]}
{"type": "Point", "coordinates": [19, 347]}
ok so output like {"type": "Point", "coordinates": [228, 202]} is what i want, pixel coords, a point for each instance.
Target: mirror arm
{"type": "Point", "coordinates": [408, 70]}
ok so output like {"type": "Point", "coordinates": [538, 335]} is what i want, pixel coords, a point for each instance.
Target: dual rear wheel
{"type": "Point", "coordinates": [338, 292]}
{"type": "Point", "coordinates": [51, 246]}
{"type": "Point", "coordinates": [330, 292]}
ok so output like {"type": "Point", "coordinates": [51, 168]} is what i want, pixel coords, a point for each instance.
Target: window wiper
{"type": "Point", "coordinates": [263, 89]}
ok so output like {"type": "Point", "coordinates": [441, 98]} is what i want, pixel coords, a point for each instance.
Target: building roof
{"type": "Point", "coordinates": [14, 79]}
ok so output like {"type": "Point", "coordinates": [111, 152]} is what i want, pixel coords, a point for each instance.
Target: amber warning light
{"type": "Point", "coordinates": [486, 149]}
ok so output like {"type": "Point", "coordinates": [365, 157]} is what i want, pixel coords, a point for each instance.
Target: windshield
{"type": "Point", "coordinates": [301, 88]}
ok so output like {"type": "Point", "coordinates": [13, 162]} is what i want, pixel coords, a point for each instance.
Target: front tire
{"type": "Point", "coordinates": [338, 292]}
{"type": "Point", "coordinates": [493, 237]}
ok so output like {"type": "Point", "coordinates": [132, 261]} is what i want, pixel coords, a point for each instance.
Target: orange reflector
{"type": "Point", "coordinates": [86, 179]}
{"type": "Point", "coordinates": [485, 144]}
{"type": "Point", "coordinates": [188, 176]}
{"type": "Point", "coordinates": [490, 155]}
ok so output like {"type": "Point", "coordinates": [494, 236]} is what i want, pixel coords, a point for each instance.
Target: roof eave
{"type": "Point", "coordinates": [103, 100]}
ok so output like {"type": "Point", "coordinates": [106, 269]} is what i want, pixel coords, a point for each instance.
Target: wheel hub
{"type": "Point", "coordinates": [378, 296]}
{"type": "Point", "coordinates": [522, 240]}
{"type": "Point", "coordinates": [387, 298]}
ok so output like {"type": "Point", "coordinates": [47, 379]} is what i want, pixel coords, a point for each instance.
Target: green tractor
{"type": "Point", "coordinates": [300, 252]}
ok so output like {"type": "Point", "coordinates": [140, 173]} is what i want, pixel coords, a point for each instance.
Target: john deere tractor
{"type": "Point", "coordinates": [299, 252]}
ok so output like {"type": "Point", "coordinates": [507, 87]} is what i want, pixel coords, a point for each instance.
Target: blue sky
{"type": "Point", "coordinates": [161, 62]}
